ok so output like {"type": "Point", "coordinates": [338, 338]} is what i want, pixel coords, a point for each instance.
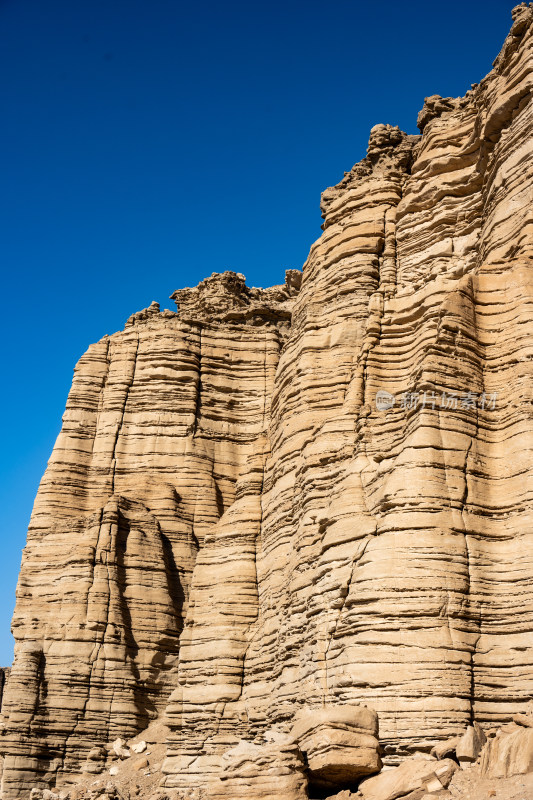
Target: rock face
{"type": "Point", "coordinates": [4, 678]}
{"type": "Point", "coordinates": [163, 435]}
{"type": "Point", "coordinates": [509, 752]}
{"type": "Point", "coordinates": [298, 497]}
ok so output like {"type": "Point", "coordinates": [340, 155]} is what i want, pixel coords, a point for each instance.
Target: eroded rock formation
{"type": "Point", "coordinates": [280, 500]}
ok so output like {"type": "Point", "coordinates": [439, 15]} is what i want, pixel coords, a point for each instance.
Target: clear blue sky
{"type": "Point", "coordinates": [148, 143]}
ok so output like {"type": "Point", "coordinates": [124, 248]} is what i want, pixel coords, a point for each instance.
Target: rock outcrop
{"type": "Point", "coordinates": [164, 426]}
{"type": "Point", "coordinates": [340, 744]}
{"type": "Point", "coordinates": [309, 496]}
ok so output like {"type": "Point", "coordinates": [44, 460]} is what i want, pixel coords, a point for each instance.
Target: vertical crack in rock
{"type": "Point", "coordinates": [120, 424]}
{"type": "Point", "coordinates": [198, 405]}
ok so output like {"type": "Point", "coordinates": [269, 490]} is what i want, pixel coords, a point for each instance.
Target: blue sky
{"type": "Point", "coordinates": [148, 143]}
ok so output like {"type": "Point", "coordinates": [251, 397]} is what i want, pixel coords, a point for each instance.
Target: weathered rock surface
{"type": "Point", "coordinates": [340, 744]}
{"type": "Point", "coordinates": [162, 420]}
{"type": "Point", "coordinates": [265, 772]}
{"type": "Point", "coordinates": [298, 497]}
{"type": "Point", "coordinates": [416, 775]}
{"type": "Point", "coordinates": [508, 753]}
{"type": "Point", "coordinates": [470, 744]}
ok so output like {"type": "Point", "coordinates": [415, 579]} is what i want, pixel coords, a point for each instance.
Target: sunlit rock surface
{"type": "Point", "coordinates": [231, 530]}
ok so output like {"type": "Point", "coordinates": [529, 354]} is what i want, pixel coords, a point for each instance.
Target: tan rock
{"type": "Point", "coordinates": [470, 744]}
{"type": "Point", "coordinates": [523, 719]}
{"type": "Point", "coordinates": [160, 423]}
{"type": "Point", "coordinates": [139, 747]}
{"type": "Point", "coordinates": [446, 748]}
{"type": "Point", "coordinates": [120, 750]}
{"type": "Point", "coordinates": [413, 775]}
{"type": "Point", "coordinates": [339, 743]}
{"type": "Point", "coordinates": [305, 496]}
{"type": "Point", "coordinates": [440, 794]}
{"type": "Point", "coordinates": [96, 754]}
{"type": "Point", "coordinates": [266, 772]}
{"type": "Point", "coordinates": [509, 753]}
{"type": "Point", "coordinates": [141, 763]}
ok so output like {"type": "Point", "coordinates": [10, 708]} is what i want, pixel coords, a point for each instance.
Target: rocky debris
{"type": "Point", "coordinates": [263, 772]}
{"type": "Point", "coordinates": [119, 749]}
{"type": "Point", "coordinates": [139, 747]}
{"type": "Point", "coordinates": [414, 777]}
{"type": "Point", "coordinates": [339, 744]}
{"type": "Point", "coordinates": [96, 759]}
{"type": "Point", "coordinates": [231, 529]}
{"type": "Point", "coordinates": [277, 768]}
{"type": "Point", "coordinates": [465, 749]}
{"type": "Point", "coordinates": [446, 749]}
{"type": "Point", "coordinates": [108, 791]}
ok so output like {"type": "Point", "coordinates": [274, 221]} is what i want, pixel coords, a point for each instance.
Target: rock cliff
{"type": "Point", "coordinates": [288, 502]}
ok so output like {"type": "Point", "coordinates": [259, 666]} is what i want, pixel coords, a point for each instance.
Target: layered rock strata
{"type": "Point", "coordinates": [161, 422]}
{"type": "Point", "coordinates": [280, 499]}
{"type": "Point", "coordinates": [392, 564]}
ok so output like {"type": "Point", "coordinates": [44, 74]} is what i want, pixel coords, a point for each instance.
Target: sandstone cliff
{"type": "Point", "coordinates": [283, 499]}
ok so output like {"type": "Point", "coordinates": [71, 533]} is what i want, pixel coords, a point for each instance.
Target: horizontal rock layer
{"type": "Point", "coordinates": [298, 497]}
{"type": "Point", "coordinates": [161, 421]}
{"type": "Point", "coordinates": [393, 562]}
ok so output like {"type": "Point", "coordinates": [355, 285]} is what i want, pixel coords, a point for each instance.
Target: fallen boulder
{"type": "Point", "coordinates": [119, 749]}
{"type": "Point", "coordinates": [339, 742]}
{"type": "Point", "coordinates": [421, 772]}
{"type": "Point", "coordinates": [470, 745]}
{"type": "Point", "coordinates": [446, 749]}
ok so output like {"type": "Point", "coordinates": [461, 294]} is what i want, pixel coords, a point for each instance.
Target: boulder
{"type": "Point", "coordinates": [510, 752]}
{"type": "Point", "coordinates": [261, 772]}
{"type": "Point", "coordinates": [339, 742]}
{"type": "Point", "coordinates": [470, 745]}
{"type": "Point", "coordinates": [119, 749]}
{"type": "Point", "coordinates": [446, 749]}
{"type": "Point", "coordinates": [418, 773]}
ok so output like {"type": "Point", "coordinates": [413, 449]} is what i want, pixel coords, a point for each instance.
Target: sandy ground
{"type": "Point", "coordinates": [469, 785]}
